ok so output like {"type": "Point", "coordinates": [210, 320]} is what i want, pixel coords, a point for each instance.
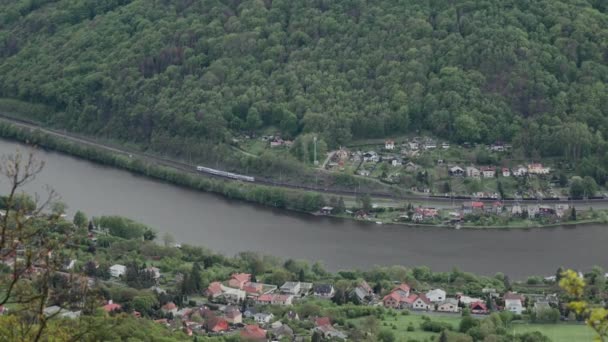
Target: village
{"type": "Point", "coordinates": [263, 312]}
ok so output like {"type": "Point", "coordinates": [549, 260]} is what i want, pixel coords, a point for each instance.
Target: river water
{"type": "Point", "coordinates": [231, 226]}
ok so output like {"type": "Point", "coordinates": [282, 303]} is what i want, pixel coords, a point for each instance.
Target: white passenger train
{"type": "Point", "coordinates": [224, 174]}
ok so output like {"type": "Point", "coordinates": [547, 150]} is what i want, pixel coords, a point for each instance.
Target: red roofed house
{"type": "Point", "coordinates": [264, 299]}
{"type": "Point", "coordinates": [169, 308]}
{"type": "Point", "coordinates": [321, 321]}
{"type": "Point", "coordinates": [238, 280]}
{"type": "Point", "coordinates": [398, 297]}
{"type": "Point", "coordinates": [253, 289]}
{"type": "Point", "coordinates": [422, 303]}
{"type": "Point", "coordinates": [389, 144]}
{"type": "Point", "coordinates": [111, 306]}
{"type": "Point", "coordinates": [253, 333]}
{"type": "Point", "coordinates": [479, 308]}
{"type": "Point", "coordinates": [214, 290]}
{"type": "Point", "coordinates": [404, 289]}
{"type": "Point", "coordinates": [217, 324]}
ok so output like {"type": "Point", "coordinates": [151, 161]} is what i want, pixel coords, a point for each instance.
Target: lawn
{"type": "Point", "coordinates": [564, 332]}
{"type": "Point", "coordinates": [559, 332]}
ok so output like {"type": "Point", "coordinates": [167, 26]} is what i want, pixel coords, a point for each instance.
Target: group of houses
{"type": "Point", "coordinates": [492, 171]}
{"type": "Point", "coordinates": [404, 297]}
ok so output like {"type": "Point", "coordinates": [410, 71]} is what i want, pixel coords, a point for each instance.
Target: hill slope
{"type": "Point", "coordinates": [154, 71]}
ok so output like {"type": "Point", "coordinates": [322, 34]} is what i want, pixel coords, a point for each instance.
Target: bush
{"type": "Point", "coordinates": [433, 326]}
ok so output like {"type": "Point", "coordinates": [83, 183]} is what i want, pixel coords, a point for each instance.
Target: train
{"type": "Point", "coordinates": [224, 174]}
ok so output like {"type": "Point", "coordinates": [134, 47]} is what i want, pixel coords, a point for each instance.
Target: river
{"type": "Point", "coordinates": [231, 226]}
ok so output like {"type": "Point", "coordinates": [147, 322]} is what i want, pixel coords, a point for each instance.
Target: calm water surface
{"type": "Point", "coordinates": [231, 226]}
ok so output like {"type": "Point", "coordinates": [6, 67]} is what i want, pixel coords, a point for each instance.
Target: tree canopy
{"type": "Point", "coordinates": [534, 72]}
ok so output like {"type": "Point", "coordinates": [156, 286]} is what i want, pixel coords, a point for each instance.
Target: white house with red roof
{"type": "Point", "coordinates": [488, 171]}
{"type": "Point", "coordinates": [169, 308]}
{"type": "Point", "coordinates": [422, 303]}
{"type": "Point", "coordinates": [506, 172]}
{"type": "Point", "coordinates": [214, 290]}
{"type": "Point", "coordinates": [479, 308]}
{"type": "Point", "coordinates": [514, 302]}
{"type": "Point", "coordinates": [389, 145]}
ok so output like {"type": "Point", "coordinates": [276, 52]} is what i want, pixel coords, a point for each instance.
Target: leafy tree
{"type": "Point", "coordinates": [80, 219]}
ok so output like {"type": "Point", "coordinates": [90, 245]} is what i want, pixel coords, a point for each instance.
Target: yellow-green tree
{"type": "Point", "coordinates": [597, 317]}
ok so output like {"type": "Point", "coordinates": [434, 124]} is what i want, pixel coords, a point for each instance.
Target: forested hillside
{"type": "Point", "coordinates": [153, 71]}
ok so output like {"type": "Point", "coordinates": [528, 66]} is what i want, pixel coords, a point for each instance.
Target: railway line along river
{"type": "Point", "coordinates": [230, 227]}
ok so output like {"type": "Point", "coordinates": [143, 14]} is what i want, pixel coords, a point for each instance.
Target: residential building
{"type": "Point", "coordinates": [514, 303]}
{"type": "Point", "coordinates": [216, 324]}
{"type": "Point", "coordinates": [233, 315]}
{"type": "Point", "coordinates": [456, 171]}
{"type": "Point", "coordinates": [445, 146]}
{"type": "Point", "coordinates": [516, 209]}
{"type": "Point", "coordinates": [329, 332]}
{"type": "Point", "coordinates": [214, 290]}
{"type": "Point", "coordinates": [472, 207]}
{"type": "Point", "coordinates": [291, 287]}
{"type": "Point", "coordinates": [389, 144]}
{"type": "Point", "coordinates": [253, 333]}
{"type": "Point", "coordinates": [472, 172]}
{"type": "Point", "coordinates": [323, 290]}
{"type": "Point", "coordinates": [488, 172]}
{"type": "Point", "coordinates": [448, 305]}
{"type": "Point", "coordinates": [111, 306]}
{"type": "Point", "coordinates": [263, 318]}
{"type": "Point", "coordinates": [169, 308]}
{"type": "Point", "coordinates": [422, 303]}
{"type": "Point", "coordinates": [283, 332]}
{"type": "Point", "coordinates": [411, 166]}
{"type": "Point", "coordinates": [253, 289]}
{"type": "Point", "coordinates": [436, 295]}
{"type": "Point", "coordinates": [238, 280]}
{"type": "Point", "coordinates": [117, 270]}
{"type": "Point", "coordinates": [520, 171]}
{"type": "Point", "coordinates": [232, 295]}
{"type": "Point", "coordinates": [466, 300]}
{"type": "Point", "coordinates": [326, 210]}
{"type": "Point", "coordinates": [506, 172]}
{"type": "Point", "coordinates": [479, 308]}
{"type": "Point", "coordinates": [371, 156]}
{"type": "Point", "coordinates": [538, 169]}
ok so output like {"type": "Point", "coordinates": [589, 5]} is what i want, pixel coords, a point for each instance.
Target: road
{"type": "Point", "coordinates": [190, 168]}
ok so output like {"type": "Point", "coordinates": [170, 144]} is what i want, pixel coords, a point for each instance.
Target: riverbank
{"type": "Point", "coordinates": [272, 196]}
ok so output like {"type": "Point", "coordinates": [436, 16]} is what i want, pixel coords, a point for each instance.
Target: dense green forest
{"type": "Point", "coordinates": [184, 73]}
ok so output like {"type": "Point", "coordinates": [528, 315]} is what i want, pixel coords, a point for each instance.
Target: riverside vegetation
{"type": "Point", "coordinates": [57, 274]}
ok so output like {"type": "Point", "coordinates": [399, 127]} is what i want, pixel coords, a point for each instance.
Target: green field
{"type": "Point", "coordinates": [559, 332]}
{"type": "Point", "coordinates": [556, 332]}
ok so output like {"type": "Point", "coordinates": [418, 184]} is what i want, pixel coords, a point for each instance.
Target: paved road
{"type": "Point", "coordinates": [190, 168]}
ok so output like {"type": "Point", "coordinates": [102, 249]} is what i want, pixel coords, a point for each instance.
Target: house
{"type": "Point", "coordinates": [214, 290]}
{"type": "Point", "coordinates": [169, 308]}
{"type": "Point", "coordinates": [117, 270]}
{"type": "Point", "coordinates": [389, 145]}
{"type": "Point", "coordinates": [533, 210]}
{"type": "Point", "coordinates": [414, 146]}
{"type": "Point", "coordinates": [363, 291]}
{"type": "Point", "coordinates": [472, 172]}
{"type": "Point", "coordinates": [396, 162]}
{"type": "Point", "coordinates": [445, 146]}
{"type": "Point", "coordinates": [216, 324]}
{"type": "Point", "coordinates": [422, 303]}
{"type": "Point", "coordinates": [274, 299]}
{"type": "Point", "coordinates": [466, 300]}
{"type": "Point", "coordinates": [233, 295]}
{"type": "Point", "coordinates": [263, 318]}
{"type": "Point", "coordinates": [456, 171]}
{"type": "Point", "coordinates": [516, 209]}
{"type": "Point", "coordinates": [323, 290]}
{"type": "Point", "coordinates": [253, 289]}
{"type": "Point", "coordinates": [238, 280]}
{"type": "Point", "coordinates": [233, 315]}
{"type": "Point", "coordinates": [479, 308]}
{"type": "Point", "coordinates": [498, 147]}
{"type": "Point", "coordinates": [155, 271]}
{"type": "Point", "coordinates": [520, 171]}
{"type": "Point", "coordinates": [399, 297]}
{"type": "Point", "coordinates": [411, 167]}
{"type": "Point", "coordinates": [497, 207]}
{"type": "Point", "coordinates": [403, 288]}
{"type": "Point", "coordinates": [283, 332]}
{"type": "Point", "coordinates": [326, 210]}
{"type": "Point", "coordinates": [514, 302]}
{"type": "Point", "coordinates": [329, 332]}
{"type": "Point", "coordinates": [538, 169]}
{"type": "Point", "coordinates": [506, 172]}
{"type": "Point", "coordinates": [436, 295]}
{"type": "Point", "coordinates": [430, 145]}
{"type": "Point", "coordinates": [253, 333]}
{"type": "Point", "coordinates": [111, 306]}
{"type": "Point", "coordinates": [292, 315]}
{"type": "Point", "coordinates": [371, 156]}
{"type": "Point", "coordinates": [448, 305]}
{"type": "Point", "coordinates": [488, 171]}
{"type": "Point", "coordinates": [291, 287]}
